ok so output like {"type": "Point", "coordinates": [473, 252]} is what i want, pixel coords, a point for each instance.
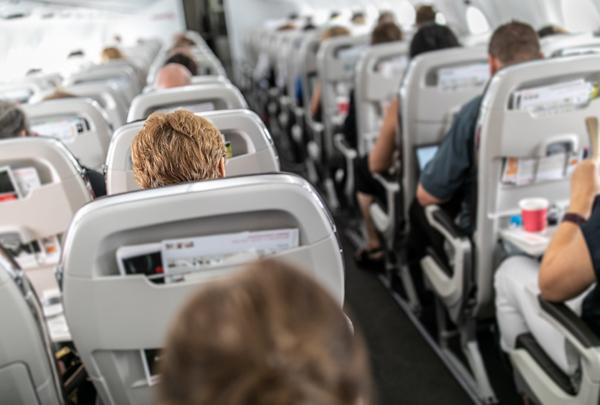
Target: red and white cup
{"type": "Point", "coordinates": [534, 212]}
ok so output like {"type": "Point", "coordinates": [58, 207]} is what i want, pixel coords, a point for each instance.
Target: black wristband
{"type": "Point", "coordinates": [574, 218]}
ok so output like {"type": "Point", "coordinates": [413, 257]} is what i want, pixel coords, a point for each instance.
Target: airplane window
{"type": "Point", "coordinates": [440, 18]}
{"type": "Point", "coordinates": [476, 21]}
{"type": "Point", "coordinates": [406, 13]}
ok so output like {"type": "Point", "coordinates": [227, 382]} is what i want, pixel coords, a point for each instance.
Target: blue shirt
{"type": "Point", "coordinates": [450, 174]}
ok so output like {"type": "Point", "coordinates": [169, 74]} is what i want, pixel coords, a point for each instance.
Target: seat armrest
{"type": "Point", "coordinates": [390, 186]}
{"type": "Point", "coordinates": [340, 143]}
{"type": "Point", "coordinates": [568, 321]}
{"type": "Point", "coordinates": [441, 222]}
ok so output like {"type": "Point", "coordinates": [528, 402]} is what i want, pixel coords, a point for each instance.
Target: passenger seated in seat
{"type": "Point", "coordinates": [111, 53]}
{"type": "Point", "coordinates": [177, 147]}
{"type": "Point", "coordinates": [383, 33]}
{"type": "Point", "coordinates": [425, 15]}
{"type": "Point", "coordinates": [14, 124]}
{"type": "Point", "coordinates": [550, 29]}
{"type": "Point", "coordinates": [315, 102]}
{"type": "Point", "coordinates": [431, 37]}
{"type": "Point", "coordinates": [571, 265]}
{"type": "Point", "coordinates": [185, 60]}
{"type": "Point", "coordinates": [448, 179]}
{"type": "Point", "coordinates": [386, 16]}
{"type": "Point", "coordinates": [172, 75]}
{"type": "Point", "coordinates": [269, 335]}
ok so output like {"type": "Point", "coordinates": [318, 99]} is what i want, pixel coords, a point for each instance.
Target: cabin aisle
{"type": "Point", "coordinates": [405, 369]}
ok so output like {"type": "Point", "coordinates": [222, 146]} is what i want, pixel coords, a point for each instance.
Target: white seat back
{"type": "Point", "coordinates": [295, 66]}
{"type": "Point", "coordinates": [570, 44]}
{"type": "Point", "coordinates": [251, 143]}
{"type": "Point", "coordinates": [122, 76]}
{"type": "Point", "coordinates": [206, 97]}
{"type": "Point", "coordinates": [79, 123]}
{"type": "Point", "coordinates": [112, 317]}
{"type": "Point", "coordinates": [109, 99]}
{"type": "Point", "coordinates": [21, 91]}
{"type": "Point", "coordinates": [336, 61]}
{"type": "Point", "coordinates": [47, 210]}
{"type": "Point", "coordinates": [509, 131]}
{"type": "Point", "coordinates": [378, 76]}
{"type": "Point", "coordinates": [428, 104]}
{"type": "Point", "coordinates": [208, 64]}
{"type": "Point", "coordinates": [28, 373]}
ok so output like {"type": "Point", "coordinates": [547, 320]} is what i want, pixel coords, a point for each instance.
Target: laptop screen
{"type": "Point", "coordinates": [424, 154]}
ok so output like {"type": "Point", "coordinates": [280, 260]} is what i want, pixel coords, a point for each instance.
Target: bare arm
{"type": "Point", "coordinates": [382, 154]}
{"type": "Point", "coordinates": [567, 269]}
{"type": "Point", "coordinates": [315, 101]}
{"type": "Point", "coordinates": [425, 198]}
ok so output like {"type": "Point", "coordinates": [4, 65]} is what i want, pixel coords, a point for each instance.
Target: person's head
{"type": "Point", "coordinates": [287, 26]}
{"type": "Point", "coordinates": [13, 121]}
{"type": "Point", "coordinates": [386, 32]}
{"type": "Point", "coordinates": [358, 18]}
{"type": "Point", "coordinates": [177, 147]}
{"type": "Point", "coordinates": [184, 60]}
{"type": "Point", "coordinates": [182, 41]}
{"type": "Point", "coordinates": [172, 75]}
{"type": "Point", "coordinates": [432, 37]}
{"type": "Point", "coordinates": [512, 43]}
{"type": "Point", "coordinates": [269, 335]}
{"type": "Point", "coordinates": [334, 31]}
{"type": "Point", "coordinates": [111, 53]}
{"type": "Point", "coordinates": [549, 30]}
{"type": "Point", "coordinates": [425, 15]}
{"type": "Point", "coordinates": [76, 53]}
{"type": "Point", "coordinates": [386, 17]}
{"type": "Point", "coordinates": [58, 94]}
{"type": "Point", "coordinates": [309, 25]}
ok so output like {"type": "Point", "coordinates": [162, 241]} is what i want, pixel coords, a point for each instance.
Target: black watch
{"type": "Point", "coordinates": [574, 218]}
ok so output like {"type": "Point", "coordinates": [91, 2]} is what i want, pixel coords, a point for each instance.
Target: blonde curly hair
{"type": "Point", "coordinates": [176, 147]}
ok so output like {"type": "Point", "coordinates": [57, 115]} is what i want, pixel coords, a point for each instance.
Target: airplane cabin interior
{"type": "Point", "coordinates": [299, 202]}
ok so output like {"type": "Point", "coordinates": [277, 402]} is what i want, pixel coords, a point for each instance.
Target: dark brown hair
{"type": "Point", "coordinates": [425, 14]}
{"type": "Point", "coordinates": [267, 336]}
{"type": "Point", "coordinates": [386, 32]}
{"type": "Point", "coordinates": [514, 42]}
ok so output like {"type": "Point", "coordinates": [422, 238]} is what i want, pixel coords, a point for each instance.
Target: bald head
{"type": "Point", "coordinates": [172, 75]}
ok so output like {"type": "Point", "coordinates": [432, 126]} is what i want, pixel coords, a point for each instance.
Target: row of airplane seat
{"type": "Point", "coordinates": [532, 113]}
{"type": "Point", "coordinates": [140, 186]}
{"type": "Point", "coordinates": [108, 290]}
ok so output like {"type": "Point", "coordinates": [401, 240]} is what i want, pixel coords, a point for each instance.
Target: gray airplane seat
{"type": "Point", "coordinates": [434, 87]}
{"type": "Point", "coordinates": [121, 76]}
{"type": "Point", "coordinates": [548, 102]}
{"type": "Point", "coordinates": [336, 62]}
{"type": "Point", "coordinates": [378, 76]}
{"type": "Point", "coordinates": [28, 372]}
{"type": "Point", "coordinates": [570, 45]}
{"type": "Point", "coordinates": [208, 64]}
{"type": "Point", "coordinates": [251, 146]}
{"type": "Point", "coordinates": [110, 99]}
{"type": "Point", "coordinates": [119, 311]}
{"type": "Point", "coordinates": [80, 124]}
{"type": "Point", "coordinates": [59, 180]}
{"type": "Point", "coordinates": [196, 98]}
{"type": "Point", "coordinates": [196, 80]}
{"type": "Point", "coordinates": [28, 88]}
{"type": "Point", "coordinates": [437, 84]}
{"type": "Point", "coordinates": [304, 76]}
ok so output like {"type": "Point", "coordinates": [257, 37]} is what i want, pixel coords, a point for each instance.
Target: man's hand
{"type": "Point", "coordinates": [585, 185]}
